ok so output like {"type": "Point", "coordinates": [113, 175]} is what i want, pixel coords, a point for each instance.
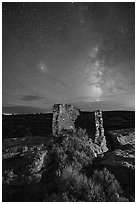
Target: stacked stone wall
{"type": "Point", "coordinates": [64, 117]}
{"type": "Point", "coordinates": [99, 130]}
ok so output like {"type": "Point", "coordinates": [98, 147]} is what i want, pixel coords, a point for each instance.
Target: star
{"type": "Point", "coordinates": [43, 68]}
{"type": "Point", "coordinates": [77, 45]}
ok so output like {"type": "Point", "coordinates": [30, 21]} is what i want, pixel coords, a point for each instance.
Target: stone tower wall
{"type": "Point", "coordinates": [64, 116]}
{"type": "Point", "coordinates": [100, 138]}
{"type": "Point", "coordinates": [99, 130]}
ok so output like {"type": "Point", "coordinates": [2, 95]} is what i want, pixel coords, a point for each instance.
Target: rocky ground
{"type": "Point", "coordinates": [120, 159]}
{"type": "Point", "coordinates": [24, 163]}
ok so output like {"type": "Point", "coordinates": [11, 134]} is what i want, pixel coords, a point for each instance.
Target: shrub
{"type": "Point", "coordinates": [106, 187]}
{"type": "Point", "coordinates": [103, 187]}
{"type": "Point", "coordinates": [74, 185]}
{"type": "Point", "coordinates": [73, 146]}
{"type": "Point", "coordinates": [70, 148]}
{"type": "Point", "coordinates": [70, 152]}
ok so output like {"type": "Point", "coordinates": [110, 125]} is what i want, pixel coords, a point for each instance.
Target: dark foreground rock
{"type": "Point", "coordinates": [23, 165]}
{"type": "Point", "coordinates": [121, 161]}
{"type": "Point", "coordinates": [25, 162]}
{"type": "Point", "coordinates": [122, 139]}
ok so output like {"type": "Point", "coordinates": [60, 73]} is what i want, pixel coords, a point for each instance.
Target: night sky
{"type": "Point", "coordinates": [77, 53]}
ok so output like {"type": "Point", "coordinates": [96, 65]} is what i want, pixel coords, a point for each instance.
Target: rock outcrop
{"type": "Point", "coordinates": [23, 164]}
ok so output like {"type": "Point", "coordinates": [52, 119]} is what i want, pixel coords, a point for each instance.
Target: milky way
{"type": "Point", "coordinates": [79, 53]}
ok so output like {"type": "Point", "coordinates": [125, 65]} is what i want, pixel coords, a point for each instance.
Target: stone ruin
{"type": "Point", "coordinates": [64, 116]}
{"type": "Point", "coordinates": [100, 138]}
{"type": "Point", "coordinates": [99, 130]}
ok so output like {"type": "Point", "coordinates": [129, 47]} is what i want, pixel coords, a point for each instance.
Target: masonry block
{"type": "Point", "coordinates": [100, 138]}
{"type": "Point", "coordinates": [64, 116]}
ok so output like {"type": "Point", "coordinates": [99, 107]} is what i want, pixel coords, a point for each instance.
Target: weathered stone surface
{"type": "Point", "coordinates": [23, 161]}
{"type": "Point", "coordinates": [119, 157]}
{"type": "Point", "coordinates": [99, 132]}
{"type": "Point", "coordinates": [123, 137]}
{"type": "Point", "coordinates": [64, 116]}
{"type": "Point", "coordinates": [122, 164]}
{"type": "Point", "coordinates": [100, 139]}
